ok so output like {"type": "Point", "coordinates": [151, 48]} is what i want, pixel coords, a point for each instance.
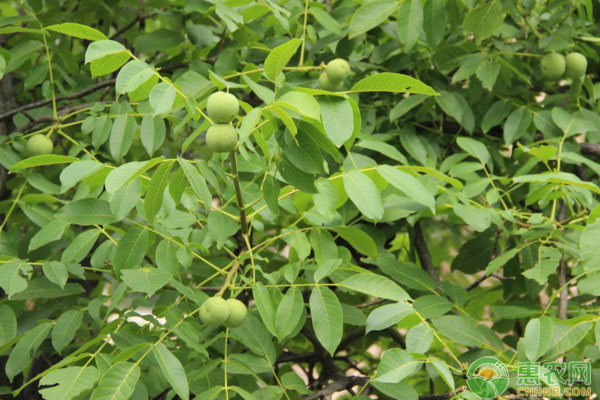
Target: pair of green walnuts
{"type": "Point", "coordinates": [222, 137]}
{"type": "Point", "coordinates": [333, 78]}
{"type": "Point", "coordinates": [217, 311]}
{"type": "Point", "coordinates": [554, 65]}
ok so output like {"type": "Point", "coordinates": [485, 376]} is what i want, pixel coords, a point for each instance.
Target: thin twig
{"type": "Point", "coordinates": [424, 255]}
{"type": "Point", "coordinates": [71, 96]}
{"type": "Point", "coordinates": [130, 24]}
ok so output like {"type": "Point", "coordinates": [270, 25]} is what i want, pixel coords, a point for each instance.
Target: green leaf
{"type": "Point", "coordinates": [256, 338]}
{"type": "Point", "coordinates": [121, 136]}
{"type": "Point", "coordinates": [12, 276]}
{"type": "Point", "coordinates": [364, 194]}
{"type": "Point", "coordinates": [538, 337]}
{"type": "Point", "coordinates": [80, 246]}
{"type": "Point", "coordinates": [106, 56]}
{"type": "Point", "coordinates": [146, 280]}
{"type": "Point", "coordinates": [474, 148]}
{"type": "Point", "coordinates": [279, 57]}
{"type": "Point", "coordinates": [323, 245]}
{"type": "Point", "coordinates": [327, 268]}
{"type": "Point", "coordinates": [370, 15]}
{"type": "Point", "coordinates": [327, 317]}
{"type": "Point", "coordinates": [87, 212]}
{"type": "Point", "coordinates": [296, 177]}
{"type": "Point", "coordinates": [516, 124]}
{"type": "Point", "coordinates": [495, 114]}
{"type": "Point", "coordinates": [358, 239]}
{"type": "Point", "coordinates": [460, 329]}
{"type": "Point", "coordinates": [118, 383]}
{"type": "Point", "coordinates": [65, 329]}
{"type": "Point", "coordinates": [68, 383]}
{"type": "Point", "coordinates": [166, 256]}
{"type": "Point", "coordinates": [77, 171]}
{"type": "Point", "coordinates": [56, 272]}
{"type": "Point", "coordinates": [337, 117]}
{"type": "Point", "coordinates": [197, 182]}
{"type": "Point", "coordinates": [391, 82]}
{"type": "Point", "coordinates": [571, 124]}
{"type": "Point", "coordinates": [249, 124]}
{"type": "Point", "coordinates": [564, 178]}
{"type": "Point", "coordinates": [408, 184]}
{"type": "Point", "coordinates": [8, 324]}
{"type": "Point", "coordinates": [443, 371]}
{"type": "Point", "coordinates": [588, 246]}
{"type": "Point", "coordinates": [42, 288]}
{"type": "Point", "coordinates": [131, 249]}
{"type": "Point", "coordinates": [132, 76]}
{"type": "Point", "coordinates": [21, 354]}
{"type": "Point", "coordinates": [271, 189]}
{"type": "Point", "coordinates": [162, 97]}
{"type": "Point", "coordinates": [326, 20]}
{"type": "Point", "coordinates": [388, 315]}
{"type": "Point", "coordinates": [479, 218]}
{"type": "Point", "coordinates": [410, 22]}
{"type": "Point", "coordinates": [375, 285]}
{"type": "Point", "coordinates": [77, 30]}
{"type": "Point", "coordinates": [221, 226]}
{"type": "Point", "coordinates": [485, 19]}
{"type": "Point", "coordinates": [126, 173]}
{"type": "Point", "coordinates": [153, 133]}
{"type": "Point", "coordinates": [42, 160]}
{"type": "Point", "coordinates": [567, 336]}
{"type": "Point", "coordinates": [501, 260]}
{"type": "Point", "coordinates": [103, 48]}
{"type": "Point", "coordinates": [419, 339]}
{"type": "Point", "coordinates": [383, 148]}
{"type": "Point", "coordinates": [395, 365]}
{"type": "Point", "coordinates": [431, 306]}
{"type": "Point", "coordinates": [289, 313]}
{"type": "Point", "coordinates": [156, 189]}
{"type": "Point", "coordinates": [547, 262]}
{"type": "Point", "coordinates": [172, 370]}
{"type": "Point", "coordinates": [49, 233]}
{"type": "Point", "coordinates": [265, 306]}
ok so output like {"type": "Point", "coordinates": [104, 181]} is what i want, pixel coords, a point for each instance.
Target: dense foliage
{"type": "Point", "coordinates": [385, 225]}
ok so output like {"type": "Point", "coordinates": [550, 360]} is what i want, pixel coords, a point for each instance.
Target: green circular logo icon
{"type": "Point", "coordinates": [487, 377]}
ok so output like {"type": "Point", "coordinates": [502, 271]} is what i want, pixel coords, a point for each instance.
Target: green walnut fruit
{"type": "Point", "coordinates": [237, 313]}
{"type": "Point", "coordinates": [221, 138]}
{"type": "Point", "coordinates": [337, 70]}
{"type": "Point", "coordinates": [326, 84]}
{"type": "Point", "coordinates": [576, 65]}
{"type": "Point", "coordinates": [222, 107]}
{"type": "Point", "coordinates": [214, 311]}
{"type": "Point", "coordinates": [553, 66]}
{"type": "Point", "coordinates": [39, 144]}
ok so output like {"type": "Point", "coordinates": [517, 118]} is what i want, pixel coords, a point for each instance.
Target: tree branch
{"type": "Point", "coordinates": [132, 23]}
{"type": "Point", "coordinates": [424, 255]}
{"type": "Point", "coordinates": [337, 385]}
{"type": "Point", "coordinates": [443, 396]}
{"type": "Point", "coordinates": [71, 96]}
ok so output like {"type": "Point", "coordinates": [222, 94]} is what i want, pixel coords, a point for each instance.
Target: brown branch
{"type": "Point", "coordinates": [563, 305]}
{"type": "Point", "coordinates": [131, 24]}
{"type": "Point", "coordinates": [345, 382]}
{"type": "Point", "coordinates": [590, 148]}
{"type": "Point", "coordinates": [71, 96]}
{"type": "Point", "coordinates": [49, 117]}
{"type": "Point", "coordinates": [443, 396]}
{"type": "Point", "coordinates": [424, 255]}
